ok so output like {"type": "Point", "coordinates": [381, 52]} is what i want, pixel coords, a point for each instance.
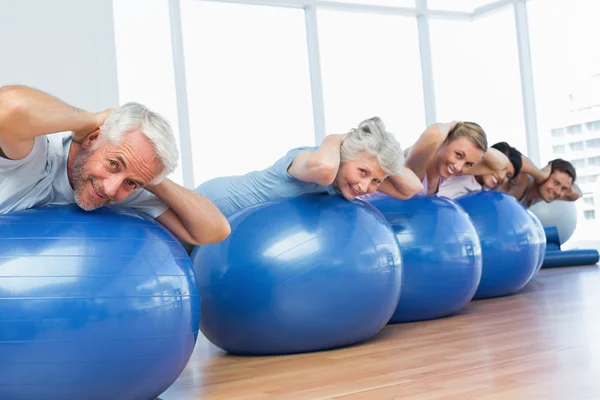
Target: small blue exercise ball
{"type": "Point", "coordinates": [298, 275]}
{"type": "Point", "coordinates": [510, 242]}
{"type": "Point", "coordinates": [542, 240]}
{"type": "Point", "coordinates": [100, 304]}
{"type": "Point", "coordinates": [441, 255]}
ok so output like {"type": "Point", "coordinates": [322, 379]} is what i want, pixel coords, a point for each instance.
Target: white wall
{"type": "Point", "coordinates": [64, 47]}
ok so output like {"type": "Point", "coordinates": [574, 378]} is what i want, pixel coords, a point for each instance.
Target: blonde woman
{"type": "Point", "coordinates": [445, 150]}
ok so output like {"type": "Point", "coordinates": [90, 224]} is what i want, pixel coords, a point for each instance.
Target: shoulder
{"type": "Point", "coordinates": [38, 151]}
{"type": "Point", "coordinates": [293, 152]}
{"type": "Point", "coordinates": [283, 163]}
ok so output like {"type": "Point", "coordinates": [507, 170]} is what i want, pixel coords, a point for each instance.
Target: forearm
{"type": "Point", "coordinates": [574, 194]}
{"type": "Point", "coordinates": [530, 169]}
{"type": "Point", "coordinates": [26, 113]}
{"type": "Point", "coordinates": [328, 152]}
{"type": "Point", "coordinates": [403, 186]}
{"type": "Point", "coordinates": [320, 166]}
{"type": "Point", "coordinates": [199, 216]}
{"type": "Point", "coordinates": [491, 162]}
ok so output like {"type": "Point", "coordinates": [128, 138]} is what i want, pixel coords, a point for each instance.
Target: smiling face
{"type": "Point", "coordinates": [557, 185]}
{"type": "Point", "coordinates": [359, 177]}
{"type": "Point", "coordinates": [457, 157]}
{"type": "Point", "coordinates": [109, 173]}
{"type": "Point", "coordinates": [493, 180]}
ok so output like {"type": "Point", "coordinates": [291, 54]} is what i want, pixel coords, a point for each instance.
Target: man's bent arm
{"type": "Point", "coordinates": [191, 217]}
{"type": "Point", "coordinates": [26, 113]}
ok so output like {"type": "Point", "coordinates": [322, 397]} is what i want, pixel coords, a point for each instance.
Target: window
{"type": "Point", "coordinates": [371, 67]}
{"type": "Point", "coordinates": [461, 5]}
{"type": "Point", "coordinates": [558, 133]}
{"type": "Point", "coordinates": [588, 200]}
{"type": "Point", "coordinates": [593, 126]}
{"type": "Point", "coordinates": [248, 88]}
{"type": "Point", "coordinates": [476, 75]}
{"type": "Point", "coordinates": [565, 54]}
{"type": "Point", "coordinates": [574, 129]}
{"type": "Point", "coordinates": [589, 214]}
{"type": "Point", "coordinates": [594, 161]}
{"type": "Point", "coordinates": [593, 144]}
{"type": "Point", "coordinates": [144, 59]}
{"type": "Point", "coordinates": [560, 149]}
{"type": "Point", "coordinates": [578, 163]}
{"type": "Point", "coordinates": [393, 3]}
{"type": "Point", "coordinates": [577, 146]}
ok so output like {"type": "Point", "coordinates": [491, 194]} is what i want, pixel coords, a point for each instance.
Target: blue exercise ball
{"type": "Point", "coordinates": [542, 241]}
{"type": "Point", "coordinates": [298, 275]}
{"type": "Point", "coordinates": [510, 242]}
{"type": "Point", "coordinates": [441, 255]}
{"type": "Point", "coordinates": [101, 305]}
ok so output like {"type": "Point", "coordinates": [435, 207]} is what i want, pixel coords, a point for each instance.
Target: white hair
{"type": "Point", "coordinates": [132, 116]}
{"type": "Point", "coordinates": [371, 137]}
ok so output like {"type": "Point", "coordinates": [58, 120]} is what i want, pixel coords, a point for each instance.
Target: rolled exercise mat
{"type": "Point", "coordinates": [552, 246]}
{"type": "Point", "coordinates": [569, 258]}
{"type": "Point", "coordinates": [552, 235]}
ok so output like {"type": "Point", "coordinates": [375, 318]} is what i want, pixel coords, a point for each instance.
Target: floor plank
{"type": "Point", "coordinates": [543, 343]}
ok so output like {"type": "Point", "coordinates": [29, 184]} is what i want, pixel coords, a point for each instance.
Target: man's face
{"type": "Point", "coordinates": [110, 173]}
{"type": "Point", "coordinates": [557, 185]}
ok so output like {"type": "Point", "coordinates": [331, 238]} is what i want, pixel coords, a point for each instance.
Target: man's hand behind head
{"type": "Point", "coordinates": [97, 121]}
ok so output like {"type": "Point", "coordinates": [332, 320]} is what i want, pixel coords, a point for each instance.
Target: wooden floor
{"type": "Point", "coordinates": [543, 343]}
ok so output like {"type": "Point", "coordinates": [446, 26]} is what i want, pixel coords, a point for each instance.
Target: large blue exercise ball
{"type": "Point", "coordinates": [441, 255]}
{"type": "Point", "coordinates": [93, 305]}
{"type": "Point", "coordinates": [510, 242]}
{"type": "Point", "coordinates": [298, 275]}
{"type": "Point", "coordinates": [542, 240]}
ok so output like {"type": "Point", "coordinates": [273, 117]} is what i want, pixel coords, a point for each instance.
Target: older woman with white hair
{"type": "Point", "coordinates": [360, 162]}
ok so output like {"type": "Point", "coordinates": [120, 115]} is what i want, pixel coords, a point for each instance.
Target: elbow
{"type": "Point", "coordinates": [412, 189]}
{"type": "Point", "coordinates": [11, 101]}
{"type": "Point", "coordinates": [495, 160]}
{"type": "Point", "coordinates": [500, 166]}
{"type": "Point", "coordinates": [502, 163]}
{"type": "Point", "coordinates": [216, 235]}
{"type": "Point", "coordinates": [434, 134]}
{"type": "Point", "coordinates": [225, 230]}
{"type": "Point", "coordinates": [416, 189]}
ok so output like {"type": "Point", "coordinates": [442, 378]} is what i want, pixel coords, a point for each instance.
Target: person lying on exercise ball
{"type": "Point", "coordinates": [556, 181]}
{"type": "Point", "coordinates": [362, 161]}
{"type": "Point", "coordinates": [445, 150]}
{"type": "Point", "coordinates": [113, 157]}
{"type": "Point", "coordinates": [458, 186]}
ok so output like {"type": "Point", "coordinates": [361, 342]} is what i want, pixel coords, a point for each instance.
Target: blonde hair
{"type": "Point", "coordinates": [471, 131]}
{"type": "Point", "coordinates": [371, 137]}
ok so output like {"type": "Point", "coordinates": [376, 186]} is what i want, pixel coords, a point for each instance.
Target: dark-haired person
{"type": "Point", "coordinates": [469, 182]}
{"type": "Point", "coordinates": [556, 181]}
